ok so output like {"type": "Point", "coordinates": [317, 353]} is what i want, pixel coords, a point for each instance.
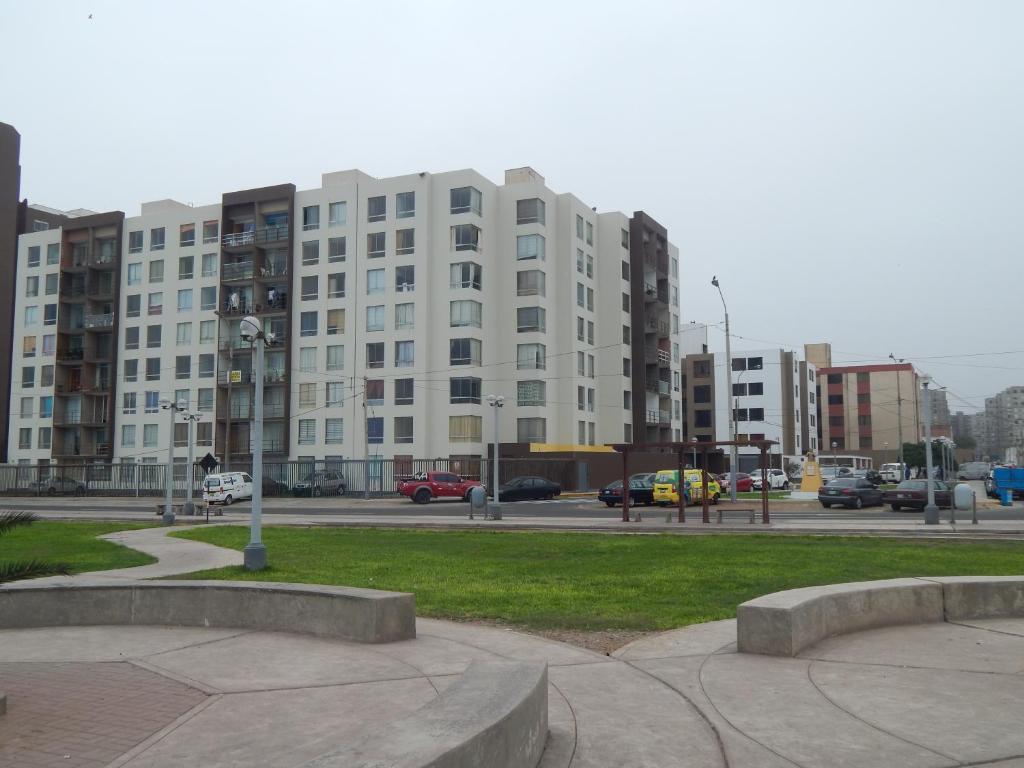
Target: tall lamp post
{"type": "Point", "coordinates": [496, 402]}
{"type": "Point", "coordinates": [255, 553]}
{"type": "Point", "coordinates": [835, 461]}
{"type": "Point", "coordinates": [886, 447]}
{"type": "Point", "coordinates": [172, 408]}
{"type": "Point", "coordinates": [931, 511]}
{"type": "Point", "coordinates": [191, 417]}
{"type": "Point", "coordinates": [733, 449]}
{"type": "Point", "coordinates": [694, 441]}
{"type": "Point", "coordinates": [899, 415]}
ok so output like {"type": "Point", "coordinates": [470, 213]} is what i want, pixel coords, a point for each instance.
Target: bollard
{"type": "Point", "coordinates": [974, 508]}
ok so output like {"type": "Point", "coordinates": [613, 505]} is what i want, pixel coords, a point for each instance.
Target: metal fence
{"type": "Point", "coordinates": [373, 477]}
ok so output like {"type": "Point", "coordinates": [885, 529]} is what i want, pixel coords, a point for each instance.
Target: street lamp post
{"type": "Point", "coordinates": [931, 511]}
{"type": "Point", "coordinates": [835, 461]}
{"type": "Point", "coordinates": [496, 402]}
{"type": "Point", "coordinates": [189, 508]}
{"type": "Point", "coordinates": [886, 447]}
{"type": "Point", "coordinates": [172, 408]}
{"type": "Point", "coordinates": [733, 449]}
{"type": "Point", "coordinates": [899, 415]}
{"type": "Point", "coordinates": [255, 553]}
{"type": "Point", "coordinates": [694, 441]}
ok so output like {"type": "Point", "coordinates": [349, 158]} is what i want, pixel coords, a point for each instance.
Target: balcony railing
{"type": "Point", "coordinates": [73, 291]}
{"type": "Point", "coordinates": [240, 271]}
{"type": "Point", "coordinates": [99, 321]}
{"type": "Point", "coordinates": [261, 235]}
{"type": "Point", "coordinates": [71, 356]}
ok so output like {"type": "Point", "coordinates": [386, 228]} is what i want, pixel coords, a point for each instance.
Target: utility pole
{"type": "Point", "coordinates": [227, 433]}
{"type": "Point", "coordinates": [255, 553]}
{"type": "Point", "coordinates": [931, 512]}
{"type": "Point", "coordinates": [734, 449]}
{"type": "Point", "coordinates": [366, 446]}
{"type": "Point", "coordinates": [899, 415]}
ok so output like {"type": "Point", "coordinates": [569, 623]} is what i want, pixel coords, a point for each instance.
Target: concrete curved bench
{"type": "Point", "coordinates": [343, 613]}
{"type": "Point", "coordinates": [785, 623]}
{"type": "Point", "coordinates": [495, 715]}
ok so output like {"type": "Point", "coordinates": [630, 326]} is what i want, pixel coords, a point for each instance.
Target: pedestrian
{"type": "Point", "coordinates": [906, 472]}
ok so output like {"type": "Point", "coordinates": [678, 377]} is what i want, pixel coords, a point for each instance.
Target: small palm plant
{"type": "Point", "coordinates": [25, 569]}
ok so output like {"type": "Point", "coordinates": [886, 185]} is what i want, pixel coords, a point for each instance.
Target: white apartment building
{"type": "Point", "coordinates": [397, 305]}
{"type": "Point", "coordinates": [772, 394]}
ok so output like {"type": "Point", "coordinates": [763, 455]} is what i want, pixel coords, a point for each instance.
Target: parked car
{"type": "Point", "coordinates": [519, 488]}
{"type": "Point", "coordinates": [52, 486]}
{"type": "Point", "coordinates": [424, 486]}
{"type": "Point", "coordinates": [272, 487]}
{"type": "Point", "coordinates": [892, 473]}
{"type": "Point", "coordinates": [744, 482]}
{"type": "Point", "coordinates": [777, 480]}
{"type": "Point", "coordinates": [855, 492]}
{"type": "Point", "coordinates": [913, 495]}
{"type": "Point", "coordinates": [973, 470]}
{"type": "Point", "coordinates": [227, 487]}
{"type": "Point", "coordinates": [666, 487]}
{"type": "Point", "coordinates": [696, 480]}
{"type": "Point", "coordinates": [641, 491]}
{"type": "Point", "coordinates": [323, 482]}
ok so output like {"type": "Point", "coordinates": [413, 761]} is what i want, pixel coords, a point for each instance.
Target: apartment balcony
{"type": "Point", "coordinates": [73, 291]}
{"type": "Point", "coordinates": [256, 236]}
{"type": "Point", "coordinates": [655, 355]}
{"type": "Point", "coordinates": [99, 321]}
{"type": "Point", "coordinates": [658, 386]}
{"type": "Point", "coordinates": [273, 269]}
{"type": "Point", "coordinates": [246, 412]}
{"type": "Point", "coordinates": [654, 325]}
{"type": "Point", "coordinates": [240, 271]}
{"type": "Point", "coordinates": [661, 418]}
{"type": "Point", "coordinates": [71, 356]}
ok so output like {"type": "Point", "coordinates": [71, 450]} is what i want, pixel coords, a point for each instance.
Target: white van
{"type": "Point", "coordinates": [227, 487]}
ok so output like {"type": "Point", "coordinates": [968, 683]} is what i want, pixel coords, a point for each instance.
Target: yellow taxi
{"type": "Point", "coordinates": [666, 487]}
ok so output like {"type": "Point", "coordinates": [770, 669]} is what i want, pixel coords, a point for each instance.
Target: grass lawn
{"type": "Point", "coordinates": [73, 543]}
{"type": "Point", "coordinates": [756, 495]}
{"type": "Point", "coordinates": [586, 581]}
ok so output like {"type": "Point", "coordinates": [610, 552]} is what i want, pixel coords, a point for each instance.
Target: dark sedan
{"type": "Point", "coordinates": [913, 495]}
{"type": "Point", "coordinates": [519, 488]}
{"type": "Point", "coordinates": [641, 491]}
{"type": "Point", "coordinates": [855, 492]}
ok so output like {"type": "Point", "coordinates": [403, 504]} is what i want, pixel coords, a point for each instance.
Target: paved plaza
{"type": "Point", "coordinates": [937, 695]}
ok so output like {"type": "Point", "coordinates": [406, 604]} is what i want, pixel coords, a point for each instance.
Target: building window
{"type": "Point", "coordinates": [131, 370]}
{"type": "Point", "coordinates": [403, 429]}
{"type": "Point", "coordinates": [375, 392]}
{"type": "Point", "coordinates": [375, 317]}
{"type": "Point", "coordinates": [32, 286]}
{"type": "Point", "coordinates": [28, 377]}
{"type": "Point", "coordinates": [336, 357]}
{"type": "Point", "coordinates": [738, 390]}
{"type": "Point", "coordinates": [464, 389]}
{"type": "Point", "coordinates": [465, 313]}
{"type": "Point", "coordinates": [405, 279]}
{"type": "Point", "coordinates": [49, 345]}
{"type": "Point", "coordinates": [338, 214]}
{"type": "Point", "coordinates": [465, 429]}
{"type": "Point", "coordinates": [405, 354]}
{"type": "Point", "coordinates": [335, 286]}
{"type": "Point", "coordinates": [404, 391]}
{"type": "Point", "coordinates": [186, 235]}
{"type": "Point", "coordinates": [531, 319]}
{"type": "Point", "coordinates": [590, 233]}
{"type": "Point", "coordinates": [755, 388]}
{"type": "Point", "coordinates": [530, 393]}
{"type": "Point", "coordinates": [405, 205]}
{"type": "Point", "coordinates": [135, 242]}
{"type": "Point", "coordinates": [864, 398]}
{"type": "Point", "coordinates": [311, 253]}
{"type": "Point", "coordinates": [307, 395]}
{"type": "Point", "coordinates": [183, 367]}
{"type": "Point", "coordinates": [152, 369]}
{"type": "Point", "coordinates": [33, 255]}
{"type": "Point", "coordinates": [205, 399]}
{"type": "Point", "coordinates": [335, 392]}
{"type": "Point", "coordinates": [335, 249]}
{"type": "Point", "coordinates": [375, 430]}
{"type": "Point", "coordinates": [531, 356]}
{"type": "Point", "coordinates": [154, 336]}
{"type": "Point", "coordinates": [186, 267]}
{"type": "Point", "coordinates": [530, 211]}
{"type": "Point", "coordinates": [307, 359]}
{"type": "Point", "coordinates": [835, 399]}
{"type": "Point", "coordinates": [756, 414]}
{"type": "Point", "coordinates": [31, 316]}
{"type": "Point", "coordinates": [625, 366]}
{"type": "Point", "coordinates": [464, 352]}
{"type": "Point", "coordinates": [375, 245]}
{"type": "Point", "coordinates": [739, 363]}
{"type": "Point", "coordinates": [531, 430]}
{"type": "Point", "coordinates": [590, 332]}
{"type": "Point", "coordinates": [308, 323]}
{"type": "Point", "coordinates": [28, 346]}
{"type": "Point", "coordinates": [405, 315]}
{"type": "Point", "coordinates": [310, 287]}
{"type": "Point", "coordinates": [210, 230]}
{"type": "Point", "coordinates": [702, 393]}
{"type": "Point", "coordinates": [739, 414]}
{"type": "Point", "coordinates": [466, 200]}
{"type": "Point", "coordinates": [590, 265]}
{"type": "Point", "coordinates": [466, 274]}
{"type": "Point", "coordinates": [579, 226]}
{"type": "Point", "coordinates": [310, 217]}
{"type": "Point", "coordinates": [465, 237]}
{"type": "Point", "coordinates": [374, 281]}
{"type": "Point", "coordinates": [128, 435]}
{"type": "Point", "coordinates": [590, 299]}
{"type": "Point", "coordinates": [755, 363]}
{"type": "Point", "coordinates": [185, 300]}
{"type": "Point", "coordinates": [530, 282]}
{"type": "Point", "coordinates": [334, 431]}
{"type": "Point", "coordinates": [52, 280]}
{"type": "Point", "coordinates": [46, 407]}
{"type": "Point", "coordinates": [156, 303]}
{"type": "Point", "coordinates": [209, 264]}
{"type": "Point", "coordinates": [625, 302]}
{"type": "Point", "coordinates": [307, 431]}
{"type": "Point", "coordinates": [530, 247]}
{"type": "Point", "coordinates": [375, 355]}
{"type": "Point", "coordinates": [377, 208]}
{"type": "Point", "coordinates": [702, 418]}
{"type": "Point", "coordinates": [835, 378]}
{"type": "Point", "coordinates": [579, 329]}
{"type": "Point", "coordinates": [206, 331]}
{"type": "Point", "coordinates": [627, 400]}
{"type": "Point", "coordinates": [335, 322]}
{"type": "Point", "coordinates": [579, 260]}
{"type": "Point", "coordinates": [156, 239]}
{"type": "Point", "coordinates": [580, 294]}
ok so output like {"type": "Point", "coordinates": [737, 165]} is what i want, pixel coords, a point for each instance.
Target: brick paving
{"type": "Point", "coordinates": [83, 715]}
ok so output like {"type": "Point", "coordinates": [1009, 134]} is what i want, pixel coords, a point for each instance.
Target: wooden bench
{"type": "Point", "coordinates": [747, 512]}
{"type": "Point", "coordinates": [200, 507]}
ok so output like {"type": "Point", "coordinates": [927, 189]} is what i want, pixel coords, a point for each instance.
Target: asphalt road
{"type": "Point", "coordinates": [582, 508]}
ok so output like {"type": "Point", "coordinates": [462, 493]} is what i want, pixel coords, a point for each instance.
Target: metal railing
{"type": "Point", "coordinates": [99, 321]}
{"type": "Point", "coordinates": [261, 235]}
{"type": "Point", "coordinates": [237, 271]}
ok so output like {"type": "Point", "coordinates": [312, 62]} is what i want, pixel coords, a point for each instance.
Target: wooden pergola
{"type": "Point", "coordinates": [680, 449]}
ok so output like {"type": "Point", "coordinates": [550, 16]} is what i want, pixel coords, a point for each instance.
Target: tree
{"type": "Point", "coordinates": [25, 569]}
{"type": "Point", "coordinates": [913, 454]}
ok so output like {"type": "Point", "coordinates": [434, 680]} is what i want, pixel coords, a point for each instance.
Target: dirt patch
{"type": "Point", "coordinates": [599, 640]}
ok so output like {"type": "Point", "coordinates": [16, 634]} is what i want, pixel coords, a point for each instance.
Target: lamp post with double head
{"type": "Point", "coordinates": [191, 417]}
{"type": "Point", "coordinates": [733, 450]}
{"type": "Point", "coordinates": [255, 553]}
{"type": "Point", "coordinates": [931, 511]}
{"type": "Point", "coordinates": [496, 402]}
{"type": "Point", "coordinates": [899, 414]}
{"type": "Point", "coordinates": [172, 408]}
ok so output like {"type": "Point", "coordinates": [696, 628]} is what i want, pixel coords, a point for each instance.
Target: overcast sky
{"type": "Point", "coordinates": [853, 172]}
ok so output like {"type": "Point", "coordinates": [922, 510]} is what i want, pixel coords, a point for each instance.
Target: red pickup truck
{"type": "Point", "coordinates": [425, 486]}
